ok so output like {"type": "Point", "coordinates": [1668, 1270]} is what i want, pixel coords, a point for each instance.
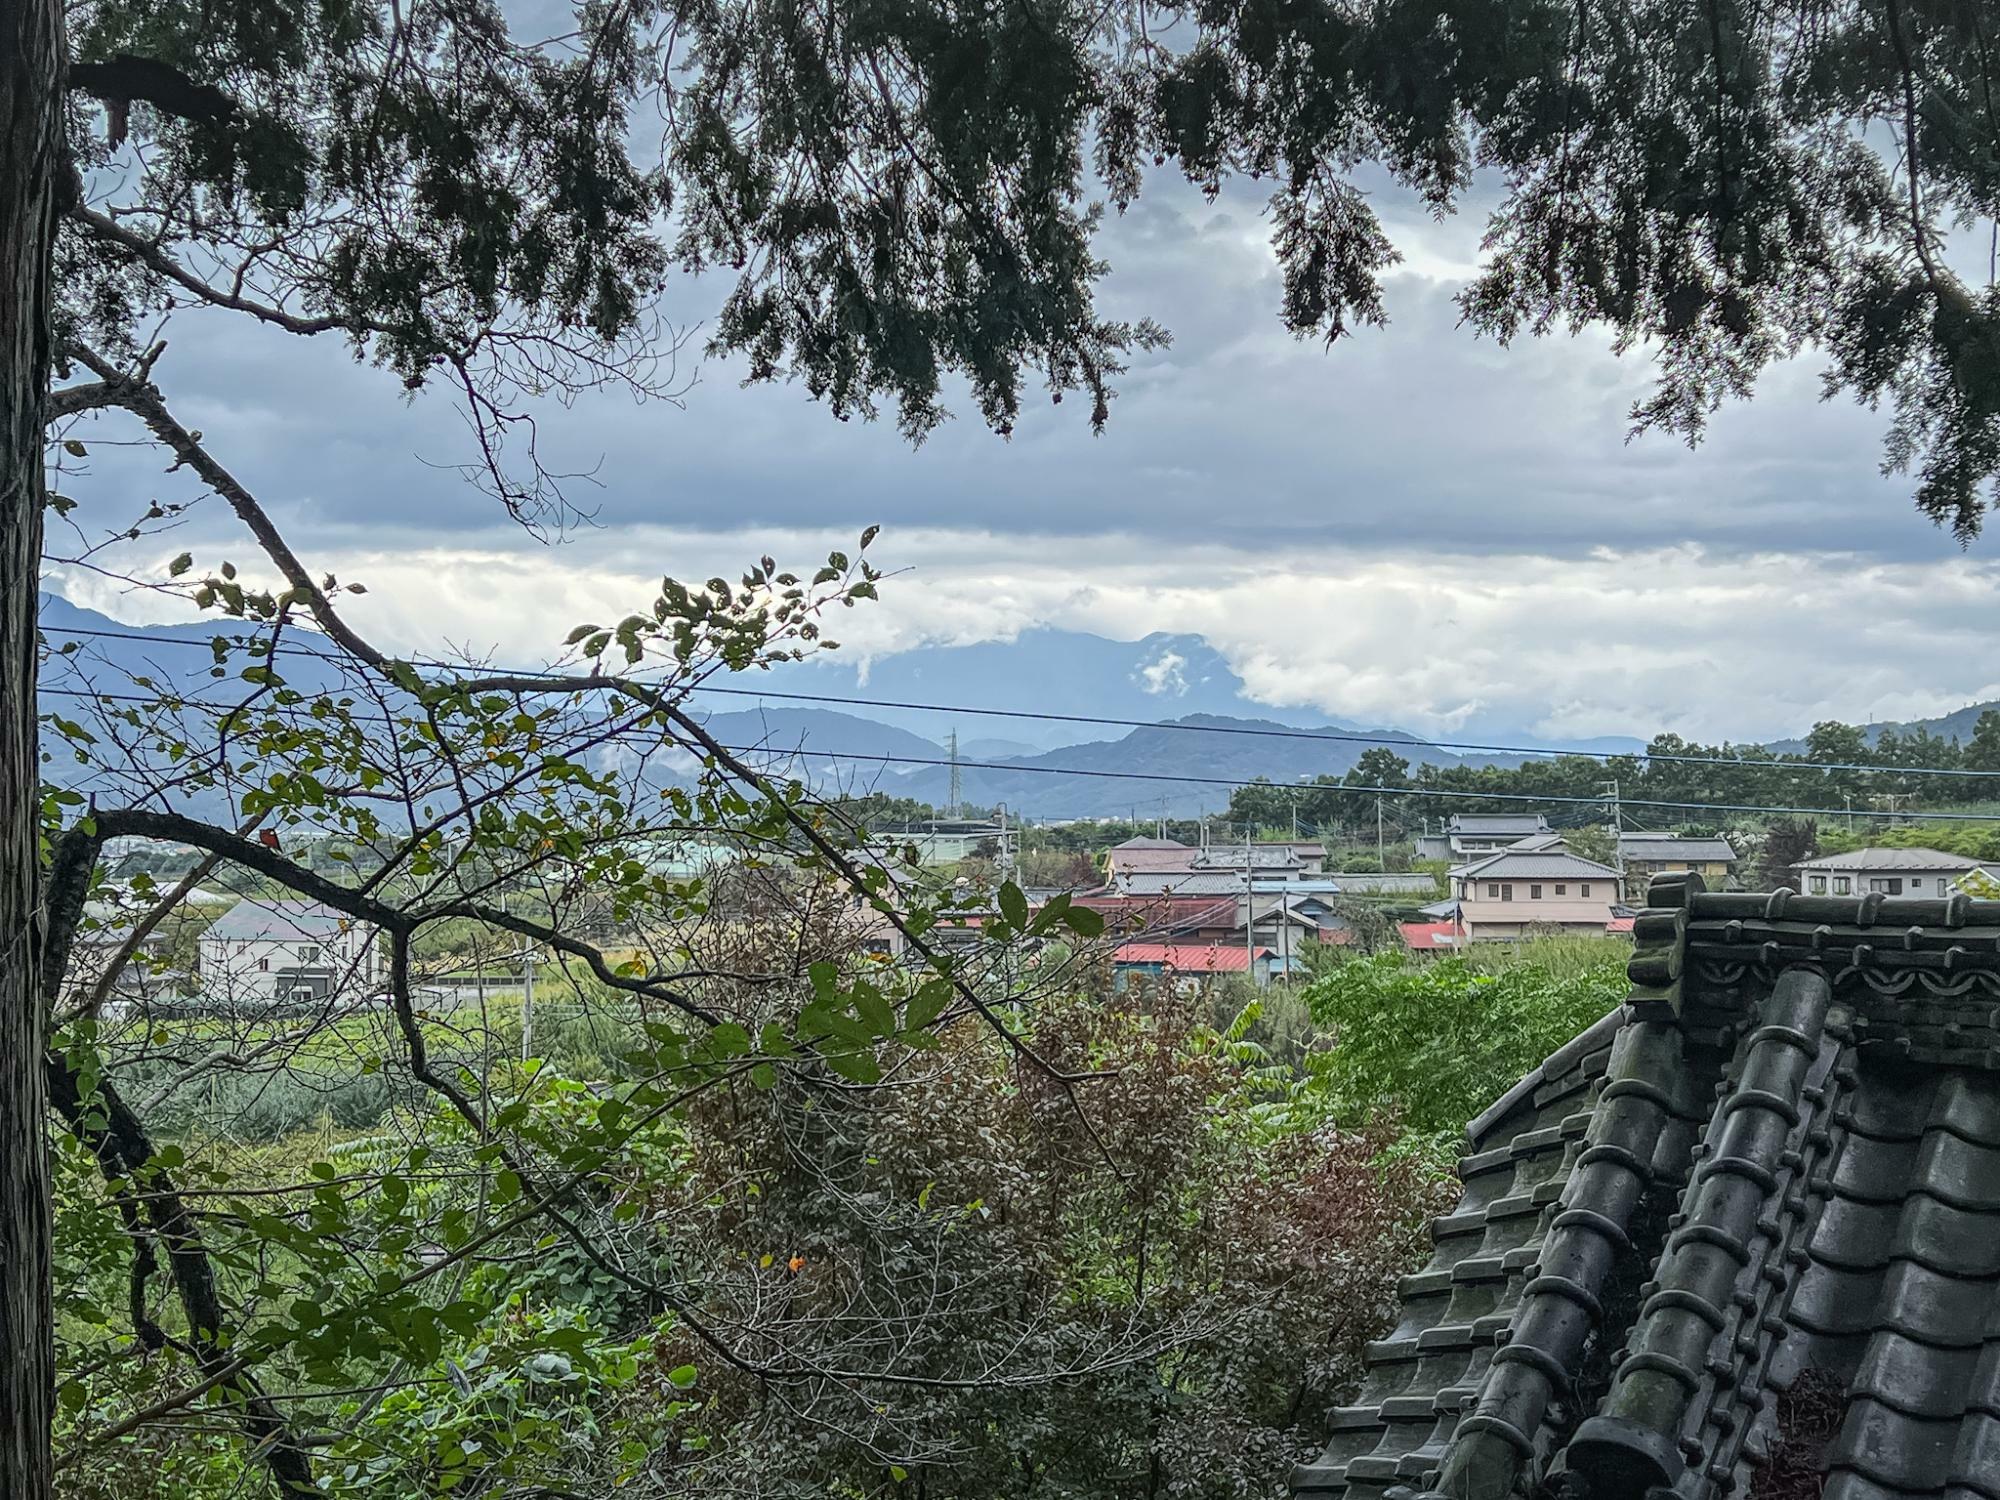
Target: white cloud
{"type": "Point", "coordinates": [1165, 674]}
{"type": "Point", "coordinates": [1708, 644]}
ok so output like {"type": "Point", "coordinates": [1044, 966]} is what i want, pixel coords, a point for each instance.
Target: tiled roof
{"type": "Point", "coordinates": [1498, 823]}
{"type": "Point", "coordinates": [1740, 1237]}
{"type": "Point", "coordinates": [1509, 865]}
{"type": "Point", "coordinates": [1188, 958]}
{"type": "Point", "coordinates": [1151, 844]}
{"type": "Point", "coordinates": [1127, 860]}
{"type": "Point", "coordinates": [1889, 859]}
{"type": "Point", "coordinates": [1217, 882]}
{"type": "Point", "coordinates": [1653, 848]}
{"type": "Point", "coordinates": [1262, 856]}
{"type": "Point", "coordinates": [1162, 914]}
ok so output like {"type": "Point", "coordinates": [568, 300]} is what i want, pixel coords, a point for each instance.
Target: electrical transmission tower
{"type": "Point", "coordinates": [957, 783]}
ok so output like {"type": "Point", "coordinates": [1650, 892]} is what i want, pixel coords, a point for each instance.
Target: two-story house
{"type": "Point", "coordinates": [263, 952]}
{"type": "Point", "coordinates": [1644, 855]}
{"type": "Point", "coordinates": [1884, 872]}
{"type": "Point", "coordinates": [1518, 892]}
{"type": "Point", "coordinates": [1468, 835]}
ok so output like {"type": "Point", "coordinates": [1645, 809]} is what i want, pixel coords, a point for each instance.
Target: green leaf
{"type": "Point", "coordinates": [682, 1376]}
{"type": "Point", "coordinates": [1084, 922]}
{"type": "Point", "coordinates": [856, 1067]}
{"type": "Point", "coordinates": [1013, 905]}
{"type": "Point", "coordinates": [180, 565]}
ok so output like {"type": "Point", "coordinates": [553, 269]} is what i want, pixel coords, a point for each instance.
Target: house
{"type": "Point", "coordinates": [109, 919]}
{"type": "Point", "coordinates": [1736, 1239]}
{"type": "Point", "coordinates": [1517, 892]}
{"type": "Point", "coordinates": [1431, 937]}
{"type": "Point", "coordinates": [283, 952]}
{"type": "Point", "coordinates": [1147, 866]}
{"type": "Point", "coordinates": [1187, 964]}
{"type": "Point", "coordinates": [946, 841]}
{"type": "Point", "coordinates": [1884, 872]}
{"type": "Point", "coordinates": [1297, 856]}
{"type": "Point", "coordinates": [1222, 882]}
{"type": "Point", "coordinates": [1200, 919]}
{"type": "Point", "coordinates": [1144, 856]}
{"type": "Point", "coordinates": [1643, 855]}
{"type": "Point", "coordinates": [1469, 834]}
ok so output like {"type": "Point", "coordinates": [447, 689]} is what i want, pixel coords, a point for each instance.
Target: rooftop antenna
{"type": "Point", "coordinates": [957, 783]}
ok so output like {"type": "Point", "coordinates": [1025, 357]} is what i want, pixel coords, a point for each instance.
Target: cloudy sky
{"type": "Point", "coordinates": [1416, 527]}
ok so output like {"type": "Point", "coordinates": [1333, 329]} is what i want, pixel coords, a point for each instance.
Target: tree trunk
{"type": "Point", "coordinates": [31, 75]}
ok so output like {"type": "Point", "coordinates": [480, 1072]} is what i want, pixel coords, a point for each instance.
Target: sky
{"type": "Point", "coordinates": [1415, 527]}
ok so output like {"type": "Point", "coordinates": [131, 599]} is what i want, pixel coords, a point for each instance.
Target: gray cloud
{"type": "Point", "coordinates": [1415, 527]}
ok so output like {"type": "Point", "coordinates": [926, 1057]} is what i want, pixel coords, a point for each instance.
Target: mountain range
{"type": "Point", "coordinates": [1193, 718]}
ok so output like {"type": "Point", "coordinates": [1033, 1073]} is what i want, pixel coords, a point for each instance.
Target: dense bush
{"type": "Point", "coordinates": [1439, 1041]}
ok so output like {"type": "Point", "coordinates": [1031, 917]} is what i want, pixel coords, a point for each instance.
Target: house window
{"type": "Point", "coordinates": [1584, 889]}
{"type": "Point", "coordinates": [1885, 885]}
{"type": "Point", "coordinates": [1842, 885]}
{"type": "Point", "coordinates": [1506, 892]}
{"type": "Point", "coordinates": [1492, 891]}
{"type": "Point", "coordinates": [1534, 893]}
{"type": "Point", "coordinates": [1816, 884]}
{"type": "Point", "coordinates": [1562, 890]}
{"type": "Point", "coordinates": [263, 966]}
{"type": "Point", "coordinates": [308, 953]}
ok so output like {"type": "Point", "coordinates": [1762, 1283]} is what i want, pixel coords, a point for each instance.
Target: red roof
{"type": "Point", "coordinates": [1618, 924]}
{"type": "Point", "coordinates": [1421, 937]}
{"type": "Point", "coordinates": [1188, 958]}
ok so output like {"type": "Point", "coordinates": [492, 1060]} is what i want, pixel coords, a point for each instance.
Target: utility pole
{"type": "Point", "coordinates": [1249, 911]}
{"type": "Point", "coordinates": [1381, 860]}
{"type": "Point", "coordinates": [529, 958]}
{"type": "Point", "coordinates": [1006, 861]}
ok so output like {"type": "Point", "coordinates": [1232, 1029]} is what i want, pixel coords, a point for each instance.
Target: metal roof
{"type": "Point", "coordinates": [256, 920]}
{"type": "Point", "coordinates": [1889, 859]}
{"type": "Point", "coordinates": [1141, 843]}
{"type": "Point", "coordinates": [1188, 958]}
{"type": "Point", "coordinates": [1653, 846]}
{"type": "Point", "coordinates": [1770, 1183]}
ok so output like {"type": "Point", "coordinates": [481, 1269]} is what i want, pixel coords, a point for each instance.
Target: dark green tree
{"type": "Point", "coordinates": [1983, 751]}
{"type": "Point", "coordinates": [1379, 766]}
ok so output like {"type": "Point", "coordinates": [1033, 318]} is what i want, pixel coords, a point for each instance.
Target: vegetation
{"type": "Point", "coordinates": [486, 1293]}
{"type": "Point", "coordinates": [1840, 766]}
{"type": "Point", "coordinates": [1442, 1040]}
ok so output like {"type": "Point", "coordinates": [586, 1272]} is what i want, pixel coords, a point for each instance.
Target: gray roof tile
{"type": "Point", "coordinates": [1804, 1174]}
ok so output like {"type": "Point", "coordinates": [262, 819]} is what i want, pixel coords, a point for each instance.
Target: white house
{"type": "Point", "coordinates": [263, 952]}
{"type": "Point", "coordinates": [1884, 872]}
{"type": "Point", "coordinates": [1519, 891]}
{"type": "Point", "coordinates": [1467, 835]}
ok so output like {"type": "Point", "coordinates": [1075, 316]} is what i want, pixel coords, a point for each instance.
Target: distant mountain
{"type": "Point", "coordinates": [1196, 745]}
{"type": "Point", "coordinates": [1956, 725]}
{"type": "Point", "coordinates": [1158, 681]}
{"type": "Point", "coordinates": [823, 731]}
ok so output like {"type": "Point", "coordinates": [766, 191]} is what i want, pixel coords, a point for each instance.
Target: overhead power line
{"type": "Point", "coordinates": [1238, 784]}
{"type": "Point", "coordinates": [1915, 814]}
{"type": "Point", "coordinates": [1536, 752]}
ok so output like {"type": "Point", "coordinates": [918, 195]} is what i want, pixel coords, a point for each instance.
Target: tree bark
{"type": "Point", "coordinates": [31, 79]}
